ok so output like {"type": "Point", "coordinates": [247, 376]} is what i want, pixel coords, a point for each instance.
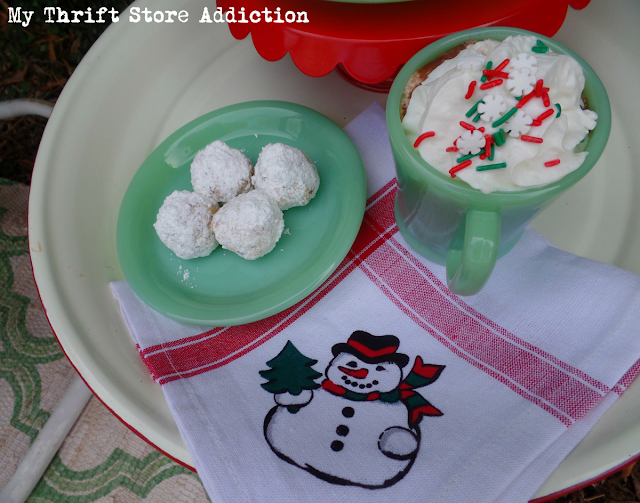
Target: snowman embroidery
{"type": "Point", "coordinates": [361, 425]}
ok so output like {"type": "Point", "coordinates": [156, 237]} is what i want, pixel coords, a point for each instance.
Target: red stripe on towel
{"type": "Point", "coordinates": [525, 372]}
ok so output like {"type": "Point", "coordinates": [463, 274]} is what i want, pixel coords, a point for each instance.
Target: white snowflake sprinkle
{"type": "Point", "coordinates": [519, 124]}
{"type": "Point", "coordinates": [520, 82]}
{"type": "Point", "coordinates": [492, 108]}
{"type": "Point", "coordinates": [524, 60]}
{"type": "Point", "coordinates": [470, 142]}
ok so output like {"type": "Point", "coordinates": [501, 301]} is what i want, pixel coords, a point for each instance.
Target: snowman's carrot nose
{"type": "Point", "coordinates": [357, 373]}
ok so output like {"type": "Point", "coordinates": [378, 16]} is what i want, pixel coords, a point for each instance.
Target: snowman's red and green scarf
{"type": "Point", "coordinates": [417, 406]}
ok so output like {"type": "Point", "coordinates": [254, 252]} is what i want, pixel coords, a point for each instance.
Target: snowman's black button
{"type": "Point", "coordinates": [361, 386]}
{"type": "Point", "coordinates": [336, 445]}
{"type": "Point", "coordinates": [342, 430]}
{"type": "Point", "coordinates": [347, 412]}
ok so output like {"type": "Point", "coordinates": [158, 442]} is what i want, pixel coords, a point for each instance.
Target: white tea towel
{"type": "Point", "coordinates": [384, 386]}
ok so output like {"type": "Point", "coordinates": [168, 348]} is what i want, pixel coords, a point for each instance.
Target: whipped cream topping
{"type": "Point", "coordinates": [527, 112]}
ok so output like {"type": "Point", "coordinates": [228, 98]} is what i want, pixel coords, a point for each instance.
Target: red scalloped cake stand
{"type": "Point", "coordinates": [368, 43]}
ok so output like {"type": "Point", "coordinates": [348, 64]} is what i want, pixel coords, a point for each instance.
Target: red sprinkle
{"type": "Point", "coordinates": [481, 129]}
{"type": "Point", "coordinates": [452, 149]}
{"type": "Point", "coordinates": [538, 89]}
{"type": "Point", "coordinates": [487, 146]}
{"type": "Point", "coordinates": [502, 65]}
{"type": "Point", "coordinates": [472, 86]}
{"type": "Point", "coordinates": [460, 166]}
{"type": "Point", "coordinates": [546, 114]}
{"type": "Point", "coordinates": [468, 126]}
{"type": "Point", "coordinates": [545, 98]}
{"type": "Point", "coordinates": [555, 162]}
{"type": "Point", "coordinates": [493, 83]}
{"type": "Point", "coordinates": [428, 134]}
{"type": "Point", "coordinates": [524, 99]}
{"type": "Point", "coordinates": [531, 139]}
{"type": "Point", "coordinates": [543, 116]}
{"type": "Point", "coordinates": [495, 73]}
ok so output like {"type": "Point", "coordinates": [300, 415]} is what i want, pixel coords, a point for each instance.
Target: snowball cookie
{"type": "Point", "coordinates": [287, 175]}
{"type": "Point", "coordinates": [184, 224]}
{"type": "Point", "coordinates": [221, 172]}
{"type": "Point", "coordinates": [249, 225]}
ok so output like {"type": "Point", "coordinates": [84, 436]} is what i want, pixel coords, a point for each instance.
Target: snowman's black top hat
{"type": "Point", "coordinates": [372, 348]}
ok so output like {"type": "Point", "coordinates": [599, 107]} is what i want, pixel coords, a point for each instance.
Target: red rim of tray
{"type": "Point", "coordinates": [371, 42]}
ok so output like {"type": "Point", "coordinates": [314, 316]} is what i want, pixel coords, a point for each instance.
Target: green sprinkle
{"type": "Point", "coordinates": [488, 67]}
{"type": "Point", "coordinates": [473, 109]}
{"type": "Point", "coordinates": [499, 138]}
{"type": "Point", "coordinates": [476, 118]}
{"type": "Point", "coordinates": [557, 105]}
{"type": "Point", "coordinates": [518, 98]}
{"type": "Point", "coordinates": [491, 166]}
{"type": "Point", "coordinates": [505, 117]}
{"type": "Point", "coordinates": [540, 48]}
{"type": "Point", "coordinates": [492, 152]}
{"type": "Point", "coordinates": [469, 156]}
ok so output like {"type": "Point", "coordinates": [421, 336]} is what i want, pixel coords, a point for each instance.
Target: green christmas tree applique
{"type": "Point", "coordinates": [290, 372]}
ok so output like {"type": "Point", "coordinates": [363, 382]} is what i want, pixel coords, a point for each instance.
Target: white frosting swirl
{"type": "Point", "coordinates": [439, 105]}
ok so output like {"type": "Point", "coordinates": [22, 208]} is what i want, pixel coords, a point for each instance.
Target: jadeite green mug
{"type": "Point", "coordinates": [448, 221]}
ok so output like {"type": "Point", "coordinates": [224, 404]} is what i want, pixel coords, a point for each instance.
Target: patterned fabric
{"type": "Point", "coordinates": [101, 459]}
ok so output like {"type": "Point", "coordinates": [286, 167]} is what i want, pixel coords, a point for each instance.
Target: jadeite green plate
{"type": "Point", "coordinates": [224, 289]}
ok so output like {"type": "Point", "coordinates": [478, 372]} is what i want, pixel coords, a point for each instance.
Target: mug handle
{"type": "Point", "coordinates": [473, 251]}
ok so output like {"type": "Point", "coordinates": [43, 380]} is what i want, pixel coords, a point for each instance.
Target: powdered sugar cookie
{"type": "Point", "coordinates": [183, 224]}
{"type": "Point", "coordinates": [250, 224]}
{"type": "Point", "coordinates": [221, 172]}
{"type": "Point", "coordinates": [287, 175]}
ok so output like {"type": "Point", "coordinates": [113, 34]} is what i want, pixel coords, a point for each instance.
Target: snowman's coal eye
{"type": "Point", "coordinates": [380, 367]}
{"type": "Point", "coordinates": [352, 364]}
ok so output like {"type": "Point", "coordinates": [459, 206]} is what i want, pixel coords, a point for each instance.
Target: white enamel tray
{"type": "Point", "coordinates": [140, 82]}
